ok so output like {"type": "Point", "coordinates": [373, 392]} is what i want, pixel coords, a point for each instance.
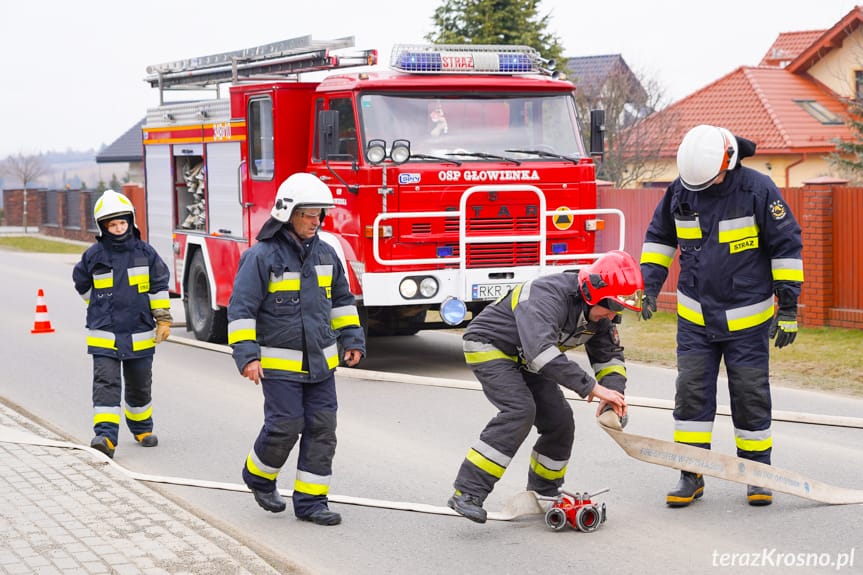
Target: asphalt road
{"type": "Point", "coordinates": [404, 442]}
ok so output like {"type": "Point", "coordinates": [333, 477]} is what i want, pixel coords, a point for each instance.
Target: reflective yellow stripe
{"type": "Point", "coordinates": [788, 275]}
{"type": "Point", "coordinates": [750, 315]}
{"type": "Point", "coordinates": [255, 470]}
{"type": "Point", "coordinates": [688, 229]}
{"type": "Point", "coordinates": [242, 335]}
{"type": "Point", "coordinates": [658, 259]}
{"type": "Point", "coordinates": [692, 436]}
{"type": "Point", "coordinates": [690, 314]}
{"type": "Point", "coordinates": [610, 369]}
{"type": "Point", "coordinates": [311, 488]}
{"type": "Point", "coordinates": [106, 418]}
{"type": "Point", "coordinates": [473, 357]}
{"type": "Point", "coordinates": [100, 342]}
{"type": "Point", "coordinates": [751, 321]}
{"type": "Point", "coordinates": [754, 444]}
{"type": "Point", "coordinates": [284, 364]}
{"type": "Point", "coordinates": [333, 361]}
{"type": "Point", "coordinates": [516, 292]}
{"type": "Point", "coordinates": [544, 472]}
{"type": "Point", "coordinates": [737, 229]}
{"type": "Point", "coordinates": [486, 465]}
{"type": "Point", "coordinates": [139, 416]}
{"type": "Point", "coordinates": [291, 284]}
{"type": "Point", "coordinates": [103, 283]}
{"type": "Point", "coordinates": [345, 321]}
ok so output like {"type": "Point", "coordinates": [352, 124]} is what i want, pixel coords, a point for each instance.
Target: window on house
{"type": "Point", "coordinates": [858, 84]}
{"type": "Point", "coordinates": [819, 112]}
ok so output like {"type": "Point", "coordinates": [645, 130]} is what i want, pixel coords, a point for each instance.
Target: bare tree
{"type": "Point", "coordinates": [26, 169]}
{"type": "Point", "coordinates": [631, 153]}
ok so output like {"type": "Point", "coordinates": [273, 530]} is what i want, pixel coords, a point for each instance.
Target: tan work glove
{"type": "Point", "coordinates": [163, 331]}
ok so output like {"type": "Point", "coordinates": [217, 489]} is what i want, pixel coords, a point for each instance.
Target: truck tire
{"type": "Point", "coordinates": [206, 323]}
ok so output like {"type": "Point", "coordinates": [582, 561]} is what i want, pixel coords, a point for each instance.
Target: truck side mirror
{"type": "Point", "coordinates": [597, 134]}
{"type": "Point", "coordinates": [328, 141]}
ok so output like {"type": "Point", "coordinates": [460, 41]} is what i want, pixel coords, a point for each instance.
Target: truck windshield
{"type": "Point", "coordinates": [471, 127]}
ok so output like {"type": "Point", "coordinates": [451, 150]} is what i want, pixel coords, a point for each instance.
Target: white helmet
{"type": "Point", "coordinates": [111, 205]}
{"type": "Point", "coordinates": [704, 154]}
{"type": "Point", "coordinates": [300, 189]}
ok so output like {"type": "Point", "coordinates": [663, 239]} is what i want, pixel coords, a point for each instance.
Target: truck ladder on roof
{"type": "Point", "coordinates": [279, 60]}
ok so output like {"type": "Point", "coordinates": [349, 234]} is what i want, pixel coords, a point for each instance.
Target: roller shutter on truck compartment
{"type": "Point", "coordinates": [160, 194]}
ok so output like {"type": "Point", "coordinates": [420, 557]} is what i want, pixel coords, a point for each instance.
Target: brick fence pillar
{"type": "Point", "coordinates": [817, 225]}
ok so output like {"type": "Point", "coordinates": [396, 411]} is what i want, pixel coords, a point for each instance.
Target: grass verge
{"type": "Point", "coordinates": [40, 245]}
{"type": "Point", "coordinates": [828, 359]}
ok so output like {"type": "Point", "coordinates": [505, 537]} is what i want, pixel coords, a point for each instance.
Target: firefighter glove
{"type": "Point", "coordinates": [163, 331]}
{"type": "Point", "coordinates": [648, 306]}
{"type": "Point", "coordinates": [784, 328]}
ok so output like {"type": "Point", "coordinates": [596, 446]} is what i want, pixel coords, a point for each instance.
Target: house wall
{"type": "Point", "coordinates": [836, 69]}
{"type": "Point", "coordinates": [789, 171]}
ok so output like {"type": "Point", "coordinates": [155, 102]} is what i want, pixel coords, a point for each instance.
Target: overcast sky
{"type": "Point", "coordinates": [72, 72]}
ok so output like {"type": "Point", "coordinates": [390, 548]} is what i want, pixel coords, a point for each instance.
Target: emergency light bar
{"type": "Point", "coordinates": [468, 59]}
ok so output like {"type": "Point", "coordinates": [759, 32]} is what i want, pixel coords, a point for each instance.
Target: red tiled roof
{"type": "Point", "coordinates": [757, 103]}
{"type": "Point", "coordinates": [831, 39]}
{"type": "Point", "coordinates": [788, 46]}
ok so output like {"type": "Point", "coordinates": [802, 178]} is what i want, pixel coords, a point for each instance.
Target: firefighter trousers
{"type": "Point", "coordinates": [108, 389]}
{"type": "Point", "coordinates": [523, 399]}
{"type": "Point", "coordinates": [747, 366]}
{"type": "Point", "coordinates": [296, 411]}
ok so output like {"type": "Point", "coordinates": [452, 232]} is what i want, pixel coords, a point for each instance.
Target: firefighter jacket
{"type": "Point", "coordinates": [536, 322]}
{"type": "Point", "coordinates": [291, 303]}
{"type": "Point", "coordinates": [739, 245]}
{"type": "Point", "coordinates": [125, 284]}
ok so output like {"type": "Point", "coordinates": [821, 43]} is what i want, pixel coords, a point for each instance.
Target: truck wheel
{"type": "Point", "coordinates": [206, 323]}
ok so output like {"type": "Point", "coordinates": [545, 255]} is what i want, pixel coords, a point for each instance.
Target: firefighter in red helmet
{"type": "Point", "coordinates": [516, 346]}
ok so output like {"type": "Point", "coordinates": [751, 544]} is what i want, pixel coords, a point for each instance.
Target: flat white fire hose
{"type": "Point", "coordinates": [714, 464]}
{"type": "Point", "coordinates": [524, 503]}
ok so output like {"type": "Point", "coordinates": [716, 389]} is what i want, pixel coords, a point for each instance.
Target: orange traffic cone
{"type": "Point", "coordinates": [41, 323]}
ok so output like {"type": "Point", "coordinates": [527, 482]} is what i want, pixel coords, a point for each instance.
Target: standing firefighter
{"type": "Point", "coordinates": [290, 307]}
{"type": "Point", "coordinates": [739, 246]}
{"type": "Point", "coordinates": [125, 284]}
{"type": "Point", "coordinates": [515, 347]}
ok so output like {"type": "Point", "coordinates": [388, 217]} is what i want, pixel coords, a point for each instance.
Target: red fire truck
{"type": "Point", "coordinates": [456, 174]}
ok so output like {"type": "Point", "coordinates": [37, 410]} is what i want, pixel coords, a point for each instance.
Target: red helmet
{"type": "Point", "coordinates": [615, 280]}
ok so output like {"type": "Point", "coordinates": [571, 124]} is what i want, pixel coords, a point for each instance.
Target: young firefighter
{"type": "Point", "coordinates": [515, 348]}
{"type": "Point", "coordinates": [125, 284]}
{"type": "Point", "coordinates": [290, 308]}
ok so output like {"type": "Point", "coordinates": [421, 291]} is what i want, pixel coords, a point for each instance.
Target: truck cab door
{"type": "Point", "coordinates": [258, 174]}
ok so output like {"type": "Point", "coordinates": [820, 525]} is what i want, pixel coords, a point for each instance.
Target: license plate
{"type": "Point", "coordinates": [490, 291]}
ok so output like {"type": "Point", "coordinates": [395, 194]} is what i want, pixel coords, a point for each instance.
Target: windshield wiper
{"type": "Point", "coordinates": [545, 154]}
{"type": "Point", "coordinates": [438, 158]}
{"type": "Point", "coordinates": [485, 156]}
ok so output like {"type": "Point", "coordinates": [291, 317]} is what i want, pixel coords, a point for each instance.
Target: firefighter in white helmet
{"type": "Point", "coordinates": [290, 308]}
{"type": "Point", "coordinates": [740, 246]}
{"type": "Point", "coordinates": [125, 284]}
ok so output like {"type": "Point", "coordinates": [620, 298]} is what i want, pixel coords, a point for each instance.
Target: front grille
{"type": "Point", "coordinates": [507, 254]}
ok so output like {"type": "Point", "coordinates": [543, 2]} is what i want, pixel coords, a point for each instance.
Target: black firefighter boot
{"type": "Point", "coordinates": [467, 505]}
{"type": "Point", "coordinates": [758, 496]}
{"type": "Point", "coordinates": [689, 488]}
